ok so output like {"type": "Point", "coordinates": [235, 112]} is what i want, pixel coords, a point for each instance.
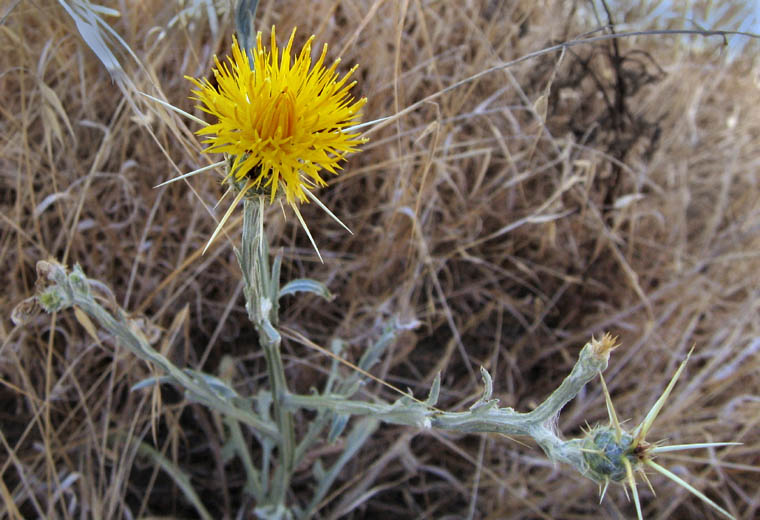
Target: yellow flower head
{"type": "Point", "coordinates": [282, 121]}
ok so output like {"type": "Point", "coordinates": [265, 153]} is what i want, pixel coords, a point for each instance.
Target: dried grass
{"type": "Point", "coordinates": [512, 217]}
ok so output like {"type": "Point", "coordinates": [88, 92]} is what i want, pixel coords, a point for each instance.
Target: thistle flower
{"type": "Point", "coordinates": [280, 120]}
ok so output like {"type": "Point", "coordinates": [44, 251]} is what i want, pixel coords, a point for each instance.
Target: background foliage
{"type": "Point", "coordinates": [610, 187]}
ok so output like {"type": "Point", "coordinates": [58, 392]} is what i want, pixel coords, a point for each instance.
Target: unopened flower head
{"type": "Point", "coordinates": [281, 118]}
{"type": "Point", "coordinates": [612, 454]}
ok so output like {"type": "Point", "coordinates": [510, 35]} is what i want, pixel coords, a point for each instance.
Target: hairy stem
{"type": "Point", "coordinates": [262, 287]}
{"type": "Point", "coordinates": [485, 416]}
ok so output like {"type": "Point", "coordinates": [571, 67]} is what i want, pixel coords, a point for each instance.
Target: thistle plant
{"type": "Point", "coordinates": [279, 123]}
{"type": "Point", "coordinates": [604, 454]}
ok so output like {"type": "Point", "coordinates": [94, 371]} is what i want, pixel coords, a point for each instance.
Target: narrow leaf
{"type": "Point", "coordinates": [306, 285]}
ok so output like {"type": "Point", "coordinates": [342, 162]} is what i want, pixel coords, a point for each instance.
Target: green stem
{"type": "Point", "coordinates": [261, 290]}
{"type": "Point", "coordinates": [484, 417]}
{"type": "Point", "coordinates": [283, 417]}
{"type": "Point", "coordinates": [588, 366]}
{"type": "Point", "coordinates": [76, 290]}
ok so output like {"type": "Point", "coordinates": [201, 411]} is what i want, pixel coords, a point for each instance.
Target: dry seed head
{"type": "Point", "coordinates": [25, 311]}
{"type": "Point", "coordinates": [601, 348]}
{"type": "Point", "coordinates": [47, 269]}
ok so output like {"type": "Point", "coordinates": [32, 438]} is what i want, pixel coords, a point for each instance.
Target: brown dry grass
{"type": "Point", "coordinates": [511, 223]}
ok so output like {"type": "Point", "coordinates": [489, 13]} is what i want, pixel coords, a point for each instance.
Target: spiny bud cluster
{"type": "Point", "coordinates": [605, 449]}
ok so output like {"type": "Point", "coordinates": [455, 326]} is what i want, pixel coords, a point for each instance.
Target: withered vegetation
{"type": "Point", "coordinates": [611, 186]}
